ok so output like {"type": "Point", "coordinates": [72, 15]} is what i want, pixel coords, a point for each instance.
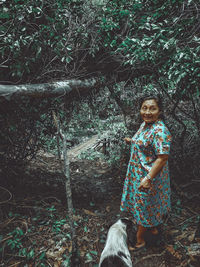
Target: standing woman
{"type": "Point", "coordinates": [146, 192]}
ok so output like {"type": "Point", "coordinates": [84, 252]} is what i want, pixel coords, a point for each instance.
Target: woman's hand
{"type": "Point", "coordinates": [127, 140]}
{"type": "Point", "coordinates": [145, 185]}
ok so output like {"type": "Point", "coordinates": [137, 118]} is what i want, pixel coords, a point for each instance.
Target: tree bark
{"type": "Point", "coordinates": [70, 87]}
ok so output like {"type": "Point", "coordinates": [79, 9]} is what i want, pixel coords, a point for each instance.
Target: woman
{"type": "Point", "coordinates": [146, 192]}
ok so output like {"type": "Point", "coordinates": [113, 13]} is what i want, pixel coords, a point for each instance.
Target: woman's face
{"type": "Point", "coordinates": [150, 111]}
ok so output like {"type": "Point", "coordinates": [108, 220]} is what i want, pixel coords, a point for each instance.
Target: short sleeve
{"type": "Point", "coordinates": [162, 140]}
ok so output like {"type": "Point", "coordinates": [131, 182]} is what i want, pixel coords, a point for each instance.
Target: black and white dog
{"type": "Point", "coordinates": [115, 252]}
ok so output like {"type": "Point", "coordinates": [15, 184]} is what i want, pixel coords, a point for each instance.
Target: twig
{"type": "Point", "coordinates": [22, 222]}
{"type": "Point", "coordinates": [188, 184]}
{"type": "Point", "coordinates": [49, 264]}
{"type": "Point", "coordinates": [14, 264]}
{"type": "Point", "coordinates": [150, 256]}
{"type": "Point", "coordinates": [3, 224]}
{"type": "Point", "coordinates": [14, 255]}
{"type": "Point", "coordinates": [194, 212]}
{"type": "Point", "coordinates": [43, 161]}
{"type": "Point", "coordinates": [177, 216]}
{"type": "Point", "coordinates": [188, 219]}
{"type": "Point", "coordinates": [196, 181]}
{"type": "Point", "coordinates": [185, 263]}
{"type": "Point", "coordinates": [32, 207]}
{"type": "Point", "coordinates": [6, 238]}
{"type": "Point", "coordinates": [43, 200]}
{"type": "Point", "coordinates": [8, 193]}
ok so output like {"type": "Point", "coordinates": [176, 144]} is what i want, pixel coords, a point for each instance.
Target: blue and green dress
{"type": "Point", "coordinates": [149, 207]}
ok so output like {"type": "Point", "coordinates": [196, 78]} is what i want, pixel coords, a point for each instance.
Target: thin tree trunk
{"type": "Point", "coordinates": [66, 168]}
{"type": "Point", "coordinates": [68, 187]}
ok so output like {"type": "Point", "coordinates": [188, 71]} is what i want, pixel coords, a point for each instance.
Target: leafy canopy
{"type": "Point", "coordinates": [45, 40]}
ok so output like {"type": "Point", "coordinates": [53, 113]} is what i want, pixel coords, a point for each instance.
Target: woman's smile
{"type": "Point", "coordinates": [150, 111]}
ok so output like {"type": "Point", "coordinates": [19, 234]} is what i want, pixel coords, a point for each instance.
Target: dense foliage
{"type": "Point", "coordinates": [55, 39]}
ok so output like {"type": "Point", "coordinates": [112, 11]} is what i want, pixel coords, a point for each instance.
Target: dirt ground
{"type": "Point", "coordinates": [35, 202]}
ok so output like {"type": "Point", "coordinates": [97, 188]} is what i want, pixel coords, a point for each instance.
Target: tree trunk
{"type": "Point", "coordinates": [70, 87]}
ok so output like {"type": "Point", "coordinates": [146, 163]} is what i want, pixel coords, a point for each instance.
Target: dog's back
{"type": "Point", "coordinates": [115, 252]}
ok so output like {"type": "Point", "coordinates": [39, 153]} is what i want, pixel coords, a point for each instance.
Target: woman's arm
{"type": "Point", "coordinates": [156, 168]}
{"type": "Point", "coordinates": [158, 165]}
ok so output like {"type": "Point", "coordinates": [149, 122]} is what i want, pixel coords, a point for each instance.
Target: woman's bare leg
{"type": "Point", "coordinates": [140, 235]}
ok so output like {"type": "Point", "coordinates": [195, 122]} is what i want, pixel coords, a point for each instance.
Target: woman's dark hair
{"type": "Point", "coordinates": [154, 97]}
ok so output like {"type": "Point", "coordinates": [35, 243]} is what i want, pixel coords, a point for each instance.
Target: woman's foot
{"type": "Point", "coordinates": [137, 247]}
{"type": "Point", "coordinates": [154, 231]}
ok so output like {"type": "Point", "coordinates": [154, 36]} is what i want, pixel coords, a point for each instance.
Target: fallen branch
{"type": "Point", "coordinates": [65, 88]}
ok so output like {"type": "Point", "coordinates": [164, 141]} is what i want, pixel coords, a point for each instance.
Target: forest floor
{"type": "Point", "coordinates": [34, 226]}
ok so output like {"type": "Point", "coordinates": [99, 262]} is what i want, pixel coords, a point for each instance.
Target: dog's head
{"type": "Point", "coordinates": [131, 230]}
{"type": "Point", "coordinates": [127, 222]}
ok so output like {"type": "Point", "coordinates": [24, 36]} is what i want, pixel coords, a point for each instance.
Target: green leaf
{"type": "Point", "coordinates": [68, 235]}
{"type": "Point", "coordinates": [92, 204]}
{"type": "Point", "coordinates": [94, 252]}
{"type": "Point", "coordinates": [88, 257]}
{"type": "Point", "coordinates": [38, 52]}
{"type": "Point", "coordinates": [42, 255]}
{"type": "Point", "coordinates": [31, 254]}
{"type": "Point", "coordinates": [24, 251]}
{"type": "Point", "coordinates": [4, 15]}
{"type": "Point", "coordinates": [20, 232]}
{"type": "Point", "coordinates": [66, 263]}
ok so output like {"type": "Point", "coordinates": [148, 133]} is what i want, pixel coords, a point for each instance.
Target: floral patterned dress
{"type": "Point", "coordinates": [147, 208]}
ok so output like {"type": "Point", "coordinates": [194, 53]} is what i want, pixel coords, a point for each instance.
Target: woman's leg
{"type": "Point", "coordinates": [140, 235]}
{"type": "Point", "coordinates": [140, 238]}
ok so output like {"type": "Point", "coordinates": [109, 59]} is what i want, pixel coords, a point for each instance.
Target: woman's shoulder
{"type": "Point", "coordinates": [160, 126]}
